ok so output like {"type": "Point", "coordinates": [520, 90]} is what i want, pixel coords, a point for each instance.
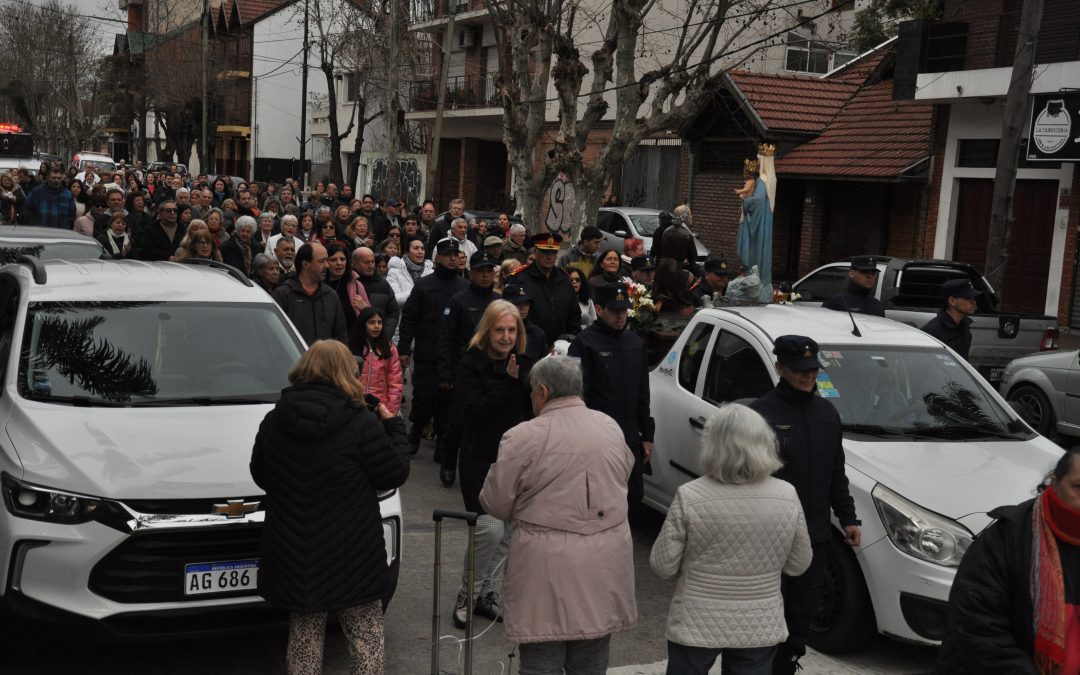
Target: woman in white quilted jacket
{"type": "Point", "coordinates": [729, 535]}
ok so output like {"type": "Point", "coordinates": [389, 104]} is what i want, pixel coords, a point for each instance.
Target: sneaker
{"type": "Point", "coordinates": [447, 476]}
{"type": "Point", "coordinates": [461, 610]}
{"type": "Point", "coordinates": [785, 663]}
{"type": "Point", "coordinates": [488, 606]}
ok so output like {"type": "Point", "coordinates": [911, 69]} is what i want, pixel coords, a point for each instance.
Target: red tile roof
{"type": "Point", "coordinates": [872, 136]}
{"type": "Point", "coordinates": [791, 102]}
{"type": "Point", "coordinates": [250, 10]}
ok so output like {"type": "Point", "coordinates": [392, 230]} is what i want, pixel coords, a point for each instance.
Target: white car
{"type": "Point", "coordinates": [618, 223]}
{"type": "Point", "coordinates": [130, 396]}
{"type": "Point", "coordinates": [101, 162]}
{"type": "Point", "coordinates": [930, 447]}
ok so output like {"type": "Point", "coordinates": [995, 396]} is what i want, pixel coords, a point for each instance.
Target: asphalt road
{"type": "Point", "coordinates": [408, 621]}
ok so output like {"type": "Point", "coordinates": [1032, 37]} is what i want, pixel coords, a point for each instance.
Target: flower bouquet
{"type": "Point", "coordinates": [642, 314]}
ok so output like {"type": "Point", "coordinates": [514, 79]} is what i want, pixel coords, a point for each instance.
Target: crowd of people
{"type": "Point", "coordinates": [549, 449]}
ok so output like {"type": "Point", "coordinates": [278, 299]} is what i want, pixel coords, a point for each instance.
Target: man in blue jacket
{"type": "Point", "coordinates": [50, 204]}
{"type": "Point", "coordinates": [809, 434]}
{"type": "Point", "coordinates": [616, 377]}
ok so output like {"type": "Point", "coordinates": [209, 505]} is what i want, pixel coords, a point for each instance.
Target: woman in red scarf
{"type": "Point", "coordinates": [1015, 602]}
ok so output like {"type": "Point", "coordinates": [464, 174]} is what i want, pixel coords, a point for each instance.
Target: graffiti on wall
{"type": "Point", "coordinates": [410, 183]}
{"type": "Point", "coordinates": [560, 203]}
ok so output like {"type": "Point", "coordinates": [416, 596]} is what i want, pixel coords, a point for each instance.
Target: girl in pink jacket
{"type": "Point", "coordinates": [380, 368]}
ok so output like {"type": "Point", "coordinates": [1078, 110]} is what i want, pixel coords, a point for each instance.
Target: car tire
{"type": "Point", "coordinates": [845, 618]}
{"type": "Point", "coordinates": [1035, 409]}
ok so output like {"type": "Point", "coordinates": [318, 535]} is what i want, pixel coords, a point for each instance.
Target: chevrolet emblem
{"type": "Point", "coordinates": [235, 508]}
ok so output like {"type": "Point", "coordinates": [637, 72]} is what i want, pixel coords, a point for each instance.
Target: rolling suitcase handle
{"type": "Point", "coordinates": [470, 519]}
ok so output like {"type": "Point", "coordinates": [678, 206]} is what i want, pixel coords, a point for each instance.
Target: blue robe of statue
{"type": "Point", "coordinates": [754, 241]}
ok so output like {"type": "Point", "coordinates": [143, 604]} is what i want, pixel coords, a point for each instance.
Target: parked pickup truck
{"type": "Point", "coordinates": [930, 449]}
{"type": "Point", "coordinates": [911, 292]}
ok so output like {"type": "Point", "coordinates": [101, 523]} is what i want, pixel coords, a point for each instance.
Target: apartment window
{"type": "Point", "coordinates": [807, 55]}
{"type": "Point", "coordinates": [352, 86]}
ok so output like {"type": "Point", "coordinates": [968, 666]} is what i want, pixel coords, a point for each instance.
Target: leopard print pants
{"type": "Point", "coordinates": [363, 629]}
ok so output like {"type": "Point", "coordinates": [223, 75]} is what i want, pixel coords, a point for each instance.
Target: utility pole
{"type": "Point", "coordinates": [303, 105]}
{"type": "Point", "coordinates": [205, 114]}
{"type": "Point", "coordinates": [392, 123]}
{"type": "Point", "coordinates": [1012, 124]}
{"type": "Point", "coordinates": [444, 75]}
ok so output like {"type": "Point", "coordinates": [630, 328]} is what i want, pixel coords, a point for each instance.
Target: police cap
{"type": "Point", "coordinates": [796, 352]}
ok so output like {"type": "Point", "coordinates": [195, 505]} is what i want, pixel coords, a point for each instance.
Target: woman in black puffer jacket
{"type": "Point", "coordinates": [321, 455]}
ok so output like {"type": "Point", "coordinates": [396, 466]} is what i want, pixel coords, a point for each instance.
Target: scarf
{"type": "Point", "coordinates": [122, 249]}
{"type": "Point", "coordinates": [415, 271]}
{"type": "Point", "coordinates": [1052, 519]}
{"type": "Point", "coordinates": [246, 248]}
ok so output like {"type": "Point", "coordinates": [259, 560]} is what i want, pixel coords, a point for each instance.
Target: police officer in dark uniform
{"type": "Point", "coordinates": [809, 434]}
{"type": "Point", "coordinates": [554, 304]}
{"type": "Point", "coordinates": [421, 320]}
{"type": "Point", "coordinates": [535, 341]}
{"type": "Point", "coordinates": [858, 297]}
{"type": "Point", "coordinates": [715, 280]}
{"type": "Point", "coordinates": [463, 313]}
{"type": "Point", "coordinates": [616, 377]}
{"type": "Point", "coordinates": [952, 325]}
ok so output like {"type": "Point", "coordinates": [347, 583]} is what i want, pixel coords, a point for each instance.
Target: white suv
{"type": "Point", "coordinates": [130, 396]}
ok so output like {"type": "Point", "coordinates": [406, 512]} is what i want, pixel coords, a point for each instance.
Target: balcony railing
{"type": "Point", "coordinates": [429, 10]}
{"type": "Point", "coordinates": [462, 92]}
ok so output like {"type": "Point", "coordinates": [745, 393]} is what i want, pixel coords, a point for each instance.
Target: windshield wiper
{"type": "Point", "coordinates": [875, 430]}
{"type": "Point", "coordinates": [965, 431]}
{"type": "Point", "coordinates": [78, 401]}
{"type": "Point", "coordinates": [205, 400]}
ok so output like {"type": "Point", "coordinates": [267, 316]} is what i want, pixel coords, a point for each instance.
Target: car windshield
{"type": "Point", "coordinates": [155, 353]}
{"type": "Point", "coordinates": [58, 250]}
{"type": "Point", "coordinates": [645, 223]}
{"type": "Point", "coordinates": [914, 391]}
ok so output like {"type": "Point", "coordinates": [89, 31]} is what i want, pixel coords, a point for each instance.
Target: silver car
{"type": "Point", "coordinates": [1045, 390]}
{"type": "Point", "coordinates": [625, 222]}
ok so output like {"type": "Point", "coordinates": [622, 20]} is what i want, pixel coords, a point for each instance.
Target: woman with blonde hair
{"type": "Point", "coordinates": [194, 244]}
{"type": "Point", "coordinates": [729, 535]}
{"type": "Point", "coordinates": [322, 444]}
{"type": "Point", "coordinates": [492, 388]}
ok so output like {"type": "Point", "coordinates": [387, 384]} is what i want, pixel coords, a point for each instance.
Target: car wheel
{"type": "Point", "coordinates": [845, 617]}
{"type": "Point", "coordinates": [1034, 408]}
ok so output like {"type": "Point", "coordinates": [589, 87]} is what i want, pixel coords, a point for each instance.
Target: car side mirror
{"type": "Point", "coordinates": [622, 234]}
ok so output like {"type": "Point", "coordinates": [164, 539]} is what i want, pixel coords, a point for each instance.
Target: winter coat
{"type": "Point", "coordinates": [990, 626]}
{"type": "Point", "coordinates": [573, 257]}
{"type": "Point", "coordinates": [48, 207]}
{"type": "Point", "coordinates": [321, 458]}
{"type": "Point", "coordinates": [616, 378]}
{"type": "Point", "coordinates": [810, 438]}
{"type": "Point", "coordinates": [554, 304]}
{"type": "Point", "coordinates": [380, 296]}
{"type": "Point", "coordinates": [463, 314]}
{"type": "Point", "coordinates": [955, 336]}
{"type": "Point", "coordinates": [570, 569]}
{"type": "Point", "coordinates": [491, 402]}
{"type": "Point", "coordinates": [422, 316]}
{"type": "Point", "coordinates": [536, 345]}
{"type": "Point", "coordinates": [856, 299]}
{"type": "Point", "coordinates": [11, 208]}
{"type": "Point", "coordinates": [382, 378]}
{"type": "Point", "coordinates": [729, 544]}
{"type": "Point", "coordinates": [519, 253]}
{"type": "Point", "coordinates": [316, 317]}
{"type": "Point", "coordinates": [154, 244]}
{"type": "Point", "coordinates": [232, 253]}
{"type": "Point", "coordinates": [397, 275]}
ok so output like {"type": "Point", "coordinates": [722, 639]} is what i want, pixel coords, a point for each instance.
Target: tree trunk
{"type": "Point", "coordinates": [335, 138]}
{"type": "Point", "coordinates": [587, 196]}
{"type": "Point", "coordinates": [358, 144]}
{"type": "Point", "coordinates": [529, 197]}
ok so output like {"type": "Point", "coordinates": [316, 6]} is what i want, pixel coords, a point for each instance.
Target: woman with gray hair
{"type": "Point", "coordinates": [561, 477]}
{"type": "Point", "coordinates": [731, 533]}
{"type": "Point", "coordinates": [239, 250]}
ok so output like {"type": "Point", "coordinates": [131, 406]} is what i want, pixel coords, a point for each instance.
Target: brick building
{"type": "Point", "coordinates": [852, 164]}
{"type": "Point", "coordinates": [962, 65]}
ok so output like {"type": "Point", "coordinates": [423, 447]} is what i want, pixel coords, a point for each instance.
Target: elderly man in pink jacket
{"type": "Point", "coordinates": [561, 478]}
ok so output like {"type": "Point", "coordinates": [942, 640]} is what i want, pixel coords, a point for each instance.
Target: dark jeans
{"type": "Point", "coordinates": [684, 660]}
{"type": "Point", "coordinates": [801, 597]}
{"type": "Point", "coordinates": [577, 657]}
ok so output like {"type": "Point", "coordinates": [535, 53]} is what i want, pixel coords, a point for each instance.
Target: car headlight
{"type": "Point", "coordinates": [41, 503]}
{"type": "Point", "coordinates": [919, 532]}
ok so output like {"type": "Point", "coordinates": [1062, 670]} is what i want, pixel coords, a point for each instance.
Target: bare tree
{"type": "Point", "coordinates": [53, 79]}
{"type": "Point", "coordinates": [653, 67]}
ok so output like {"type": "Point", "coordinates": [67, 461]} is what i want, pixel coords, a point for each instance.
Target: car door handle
{"type": "Point", "coordinates": [697, 422]}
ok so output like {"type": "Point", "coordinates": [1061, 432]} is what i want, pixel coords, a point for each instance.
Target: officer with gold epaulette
{"type": "Point", "coordinates": [554, 304]}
